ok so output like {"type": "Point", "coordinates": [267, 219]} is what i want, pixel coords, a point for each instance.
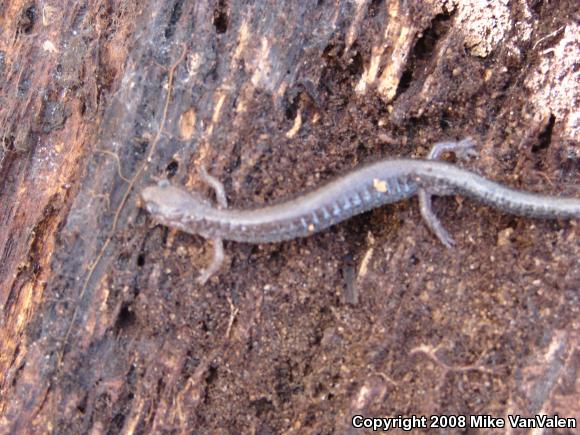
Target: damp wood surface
{"type": "Point", "coordinates": [103, 327]}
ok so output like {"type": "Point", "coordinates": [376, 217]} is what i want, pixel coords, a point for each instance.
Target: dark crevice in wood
{"type": "Point", "coordinates": [27, 19]}
{"type": "Point", "coordinates": [220, 17]}
{"type": "Point", "coordinates": [423, 50]}
{"type": "Point", "coordinates": [545, 137]}
{"type": "Point", "coordinates": [172, 169]}
{"type": "Point", "coordinates": [374, 8]}
{"type": "Point", "coordinates": [174, 19]}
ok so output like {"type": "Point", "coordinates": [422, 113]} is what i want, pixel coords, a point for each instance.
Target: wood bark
{"type": "Point", "coordinates": [103, 327]}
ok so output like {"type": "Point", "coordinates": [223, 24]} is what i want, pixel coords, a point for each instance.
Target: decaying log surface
{"type": "Point", "coordinates": [103, 326]}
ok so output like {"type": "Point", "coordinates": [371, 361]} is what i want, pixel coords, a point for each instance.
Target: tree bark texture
{"type": "Point", "coordinates": [103, 327]}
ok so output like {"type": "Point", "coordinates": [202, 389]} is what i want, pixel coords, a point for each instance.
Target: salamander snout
{"type": "Point", "coordinates": [165, 201]}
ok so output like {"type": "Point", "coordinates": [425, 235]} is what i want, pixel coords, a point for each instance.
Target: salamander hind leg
{"type": "Point", "coordinates": [463, 149]}
{"type": "Point", "coordinates": [432, 221]}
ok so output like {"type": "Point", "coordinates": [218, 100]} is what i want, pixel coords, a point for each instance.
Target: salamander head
{"type": "Point", "coordinates": [172, 205]}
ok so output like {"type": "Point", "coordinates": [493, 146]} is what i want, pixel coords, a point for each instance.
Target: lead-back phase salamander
{"type": "Point", "coordinates": [360, 190]}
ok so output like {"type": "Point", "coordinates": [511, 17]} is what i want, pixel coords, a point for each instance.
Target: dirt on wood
{"type": "Point", "coordinates": [103, 326]}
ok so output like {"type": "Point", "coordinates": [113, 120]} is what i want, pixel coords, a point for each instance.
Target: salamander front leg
{"type": "Point", "coordinates": [216, 185]}
{"type": "Point", "coordinates": [218, 244]}
{"type": "Point", "coordinates": [216, 263]}
{"type": "Point", "coordinates": [463, 149]}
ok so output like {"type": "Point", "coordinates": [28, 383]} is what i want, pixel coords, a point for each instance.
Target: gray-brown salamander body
{"type": "Point", "coordinates": [363, 189]}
